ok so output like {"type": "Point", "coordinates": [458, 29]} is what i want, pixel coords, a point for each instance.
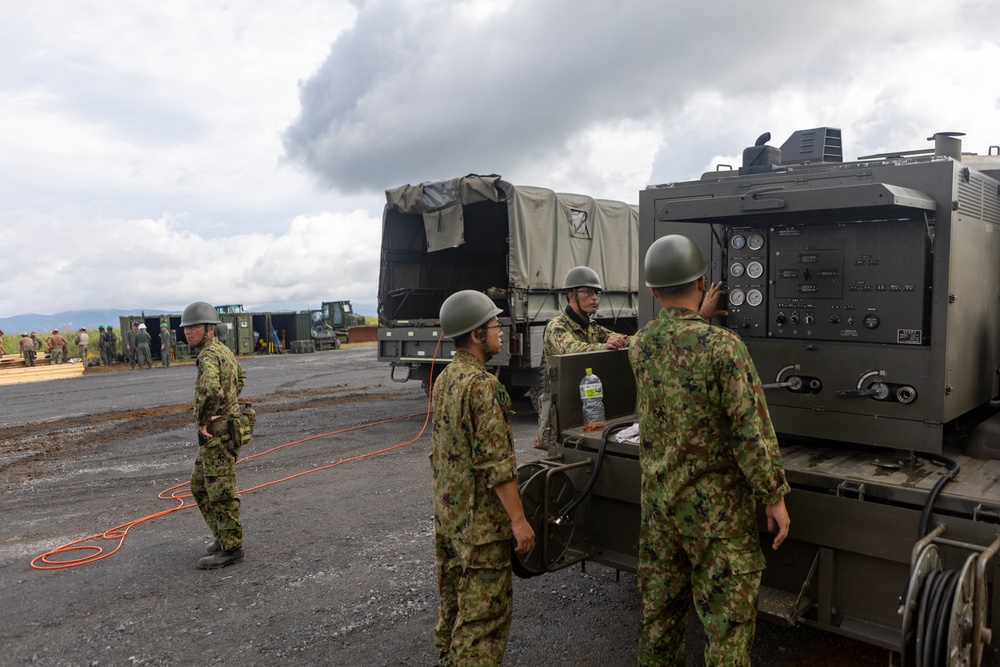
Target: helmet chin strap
{"type": "Point", "coordinates": [483, 332]}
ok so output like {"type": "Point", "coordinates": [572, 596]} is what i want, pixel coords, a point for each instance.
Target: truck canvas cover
{"type": "Point", "coordinates": [481, 232]}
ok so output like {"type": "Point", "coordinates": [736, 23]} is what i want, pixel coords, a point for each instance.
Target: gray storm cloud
{"type": "Point", "coordinates": [417, 91]}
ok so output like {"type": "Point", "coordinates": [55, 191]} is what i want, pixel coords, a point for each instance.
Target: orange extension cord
{"type": "Point", "coordinates": [182, 491]}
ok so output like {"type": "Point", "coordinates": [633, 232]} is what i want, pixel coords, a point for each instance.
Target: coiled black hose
{"type": "Point", "coordinates": [605, 436]}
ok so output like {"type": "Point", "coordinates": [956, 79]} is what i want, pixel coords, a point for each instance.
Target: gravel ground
{"type": "Point", "coordinates": [340, 563]}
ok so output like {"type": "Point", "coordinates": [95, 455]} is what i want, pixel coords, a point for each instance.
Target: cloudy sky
{"type": "Point", "coordinates": [157, 153]}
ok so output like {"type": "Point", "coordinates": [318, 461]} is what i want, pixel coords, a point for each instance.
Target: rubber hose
{"type": "Point", "coordinates": [953, 470]}
{"type": "Point", "coordinates": [608, 432]}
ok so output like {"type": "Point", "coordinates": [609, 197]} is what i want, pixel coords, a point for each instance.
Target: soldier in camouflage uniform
{"type": "Point", "coordinates": [216, 401]}
{"type": "Point", "coordinates": [572, 331]}
{"type": "Point", "coordinates": [477, 507]}
{"type": "Point", "coordinates": [708, 454]}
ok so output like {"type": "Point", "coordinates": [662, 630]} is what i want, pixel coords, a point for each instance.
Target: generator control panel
{"type": "Point", "coordinates": [865, 281]}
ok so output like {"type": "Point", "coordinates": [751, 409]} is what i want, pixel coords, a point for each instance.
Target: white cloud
{"type": "Point", "coordinates": [155, 264]}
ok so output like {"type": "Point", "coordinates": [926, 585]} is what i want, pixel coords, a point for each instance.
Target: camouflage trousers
{"type": "Point", "coordinates": [213, 484]}
{"type": "Point", "coordinates": [477, 600]}
{"type": "Point", "coordinates": [719, 576]}
{"type": "Point", "coordinates": [28, 356]}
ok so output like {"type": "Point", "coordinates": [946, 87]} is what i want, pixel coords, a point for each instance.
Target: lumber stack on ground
{"type": "Point", "coordinates": [13, 370]}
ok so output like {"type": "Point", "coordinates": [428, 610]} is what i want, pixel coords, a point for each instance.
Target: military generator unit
{"type": "Point", "coordinates": [868, 295]}
{"type": "Point", "coordinates": [513, 243]}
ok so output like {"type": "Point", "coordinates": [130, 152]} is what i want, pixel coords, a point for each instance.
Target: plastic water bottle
{"type": "Point", "coordinates": [592, 395]}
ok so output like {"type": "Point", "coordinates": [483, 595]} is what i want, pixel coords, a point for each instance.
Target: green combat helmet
{"type": "Point", "coordinates": [673, 260]}
{"type": "Point", "coordinates": [199, 312]}
{"type": "Point", "coordinates": [100, 328]}
{"type": "Point", "coordinates": [464, 311]}
{"type": "Point", "coordinates": [582, 276]}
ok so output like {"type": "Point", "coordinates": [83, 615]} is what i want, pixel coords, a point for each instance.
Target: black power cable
{"type": "Point", "coordinates": [937, 595]}
{"type": "Point", "coordinates": [608, 432]}
{"type": "Point", "coordinates": [953, 470]}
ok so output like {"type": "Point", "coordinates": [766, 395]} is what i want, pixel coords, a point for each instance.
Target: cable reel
{"type": "Point", "coordinates": [944, 611]}
{"type": "Point", "coordinates": [549, 499]}
{"type": "Point", "coordinates": [545, 490]}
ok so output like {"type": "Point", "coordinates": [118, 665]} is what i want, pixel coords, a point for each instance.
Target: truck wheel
{"type": "Point", "coordinates": [535, 394]}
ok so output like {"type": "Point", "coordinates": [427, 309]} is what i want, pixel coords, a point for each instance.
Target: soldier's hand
{"type": "Point", "coordinates": [615, 342]}
{"type": "Point", "coordinates": [710, 304]}
{"type": "Point", "coordinates": [777, 519]}
{"type": "Point", "coordinates": [524, 535]}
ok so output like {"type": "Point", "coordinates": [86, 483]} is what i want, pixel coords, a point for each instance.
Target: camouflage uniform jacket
{"type": "Point", "coordinates": [708, 446]}
{"type": "Point", "coordinates": [472, 451]}
{"type": "Point", "coordinates": [219, 384]}
{"type": "Point", "coordinates": [565, 335]}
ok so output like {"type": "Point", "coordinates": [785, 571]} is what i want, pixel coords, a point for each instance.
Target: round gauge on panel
{"type": "Point", "coordinates": [736, 297]}
{"type": "Point", "coordinates": [736, 270]}
{"type": "Point", "coordinates": [755, 241]}
{"type": "Point", "coordinates": [754, 297]}
{"type": "Point", "coordinates": [755, 269]}
{"type": "Point", "coordinates": [738, 241]}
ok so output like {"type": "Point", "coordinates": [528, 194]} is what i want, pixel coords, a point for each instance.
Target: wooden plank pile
{"type": "Point", "coordinates": [13, 370]}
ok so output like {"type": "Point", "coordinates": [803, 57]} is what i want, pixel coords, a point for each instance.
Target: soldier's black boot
{"type": "Point", "coordinates": [214, 548]}
{"type": "Point", "coordinates": [221, 559]}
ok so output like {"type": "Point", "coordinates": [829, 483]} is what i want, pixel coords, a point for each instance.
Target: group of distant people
{"type": "Point", "coordinates": [137, 346]}
{"type": "Point", "coordinates": [30, 345]}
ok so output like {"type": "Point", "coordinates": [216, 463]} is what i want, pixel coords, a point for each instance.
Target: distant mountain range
{"type": "Point", "coordinates": [72, 320]}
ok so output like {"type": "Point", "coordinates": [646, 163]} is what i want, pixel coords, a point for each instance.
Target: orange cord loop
{"type": "Point", "coordinates": [180, 492]}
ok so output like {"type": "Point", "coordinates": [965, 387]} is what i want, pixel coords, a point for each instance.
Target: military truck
{"type": "Point", "coordinates": [514, 244]}
{"type": "Point", "coordinates": [867, 295]}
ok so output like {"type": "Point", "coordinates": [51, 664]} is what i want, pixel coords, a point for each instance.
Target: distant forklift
{"type": "Point", "coordinates": [330, 324]}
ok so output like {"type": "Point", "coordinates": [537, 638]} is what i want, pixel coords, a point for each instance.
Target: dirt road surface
{"type": "Point", "coordinates": [340, 562]}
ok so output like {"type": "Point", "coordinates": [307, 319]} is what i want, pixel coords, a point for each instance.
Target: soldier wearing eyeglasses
{"type": "Point", "coordinates": [573, 331]}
